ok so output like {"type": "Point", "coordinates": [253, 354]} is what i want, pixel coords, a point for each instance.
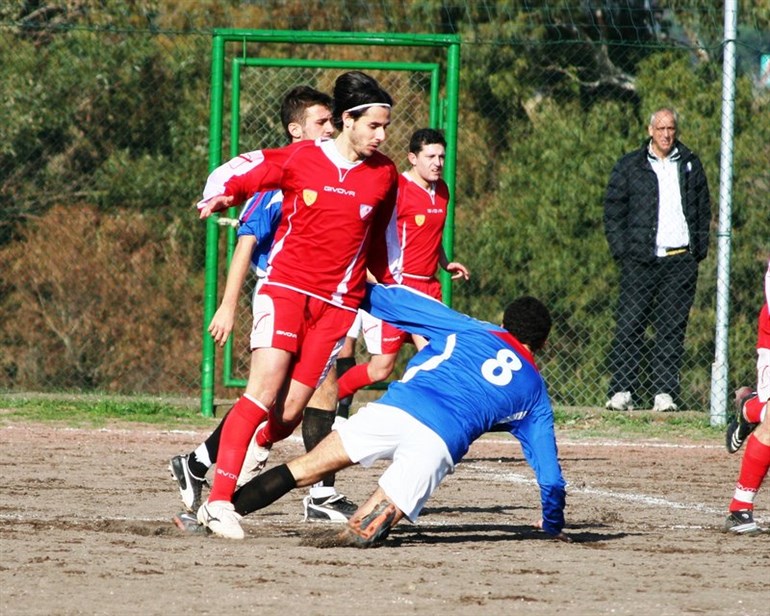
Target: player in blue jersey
{"type": "Point", "coordinates": [305, 115]}
{"type": "Point", "coordinates": [425, 425]}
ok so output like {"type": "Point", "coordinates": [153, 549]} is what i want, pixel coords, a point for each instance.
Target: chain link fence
{"type": "Point", "coordinates": [104, 150]}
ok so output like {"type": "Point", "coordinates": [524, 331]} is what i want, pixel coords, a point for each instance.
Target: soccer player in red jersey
{"type": "Point", "coordinates": [410, 254]}
{"type": "Point", "coordinates": [306, 114]}
{"type": "Point", "coordinates": [752, 425]}
{"type": "Point", "coordinates": [338, 194]}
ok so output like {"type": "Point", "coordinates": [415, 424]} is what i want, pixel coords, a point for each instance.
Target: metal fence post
{"type": "Point", "coordinates": [720, 365]}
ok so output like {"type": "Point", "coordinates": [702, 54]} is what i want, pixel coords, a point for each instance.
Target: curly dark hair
{"type": "Point", "coordinates": [529, 321]}
{"type": "Point", "coordinates": [356, 88]}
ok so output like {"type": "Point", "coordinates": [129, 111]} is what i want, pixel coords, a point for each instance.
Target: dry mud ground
{"type": "Point", "coordinates": [85, 529]}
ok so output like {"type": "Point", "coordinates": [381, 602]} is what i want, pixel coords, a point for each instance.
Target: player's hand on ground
{"type": "Point", "coordinates": [458, 270]}
{"type": "Point", "coordinates": [222, 324]}
{"type": "Point", "coordinates": [215, 204]}
{"type": "Point", "coordinates": [560, 537]}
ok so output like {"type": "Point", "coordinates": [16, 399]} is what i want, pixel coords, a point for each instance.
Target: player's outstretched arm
{"type": "Point", "coordinates": [414, 312]}
{"type": "Point", "coordinates": [217, 203]}
{"type": "Point", "coordinates": [224, 318]}
{"type": "Point", "coordinates": [538, 443]}
{"type": "Point", "coordinates": [457, 269]}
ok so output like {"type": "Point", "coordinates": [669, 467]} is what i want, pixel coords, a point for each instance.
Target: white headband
{"type": "Point", "coordinates": [365, 105]}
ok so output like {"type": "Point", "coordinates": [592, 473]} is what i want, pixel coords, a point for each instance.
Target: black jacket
{"type": "Point", "coordinates": [631, 205]}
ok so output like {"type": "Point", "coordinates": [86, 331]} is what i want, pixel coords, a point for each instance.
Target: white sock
{"type": "Point", "coordinates": [322, 491]}
{"type": "Point", "coordinates": [202, 455]}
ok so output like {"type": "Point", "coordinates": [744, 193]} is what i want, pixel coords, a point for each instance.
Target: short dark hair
{"type": "Point", "coordinates": [529, 321]}
{"type": "Point", "coordinates": [355, 88]}
{"type": "Point", "coordinates": [425, 136]}
{"type": "Point", "coordinates": [297, 101]}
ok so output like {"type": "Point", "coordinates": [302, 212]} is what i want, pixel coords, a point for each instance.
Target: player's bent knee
{"type": "Point", "coordinates": [380, 372]}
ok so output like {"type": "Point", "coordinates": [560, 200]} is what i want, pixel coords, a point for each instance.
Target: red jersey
{"type": "Point", "coordinates": [413, 238]}
{"type": "Point", "coordinates": [331, 208]}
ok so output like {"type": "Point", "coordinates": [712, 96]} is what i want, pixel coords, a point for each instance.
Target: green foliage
{"type": "Point", "coordinates": [132, 119]}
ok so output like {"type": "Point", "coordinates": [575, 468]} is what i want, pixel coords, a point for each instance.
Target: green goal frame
{"type": "Point", "coordinates": [443, 115]}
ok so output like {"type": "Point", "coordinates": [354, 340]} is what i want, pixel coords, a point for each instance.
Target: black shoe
{"type": "Point", "coordinates": [738, 429]}
{"type": "Point", "coordinates": [741, 522]}
{"type": "Point", "coordinates": [335, 508]}
{"type": "Point", "coordinates": [190, 487]}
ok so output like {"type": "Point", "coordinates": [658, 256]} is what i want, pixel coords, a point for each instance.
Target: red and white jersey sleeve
{"type": "Point", "coordinates": [414, 234]}
{"type": "Point", "coordinates": [215, 184]}
{"type": "Point", "coordinates": [329, 209]}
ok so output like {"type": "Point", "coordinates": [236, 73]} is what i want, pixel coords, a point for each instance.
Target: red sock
{"type": "Point", "coordinates": [353, 380]}
{"type": "Point", "coordinates": [275, 430]}
{"type": "Point", "coordinates": [241, 422]}
{"type": "Point", "coordinates": [756, 461]}
{"type": "Point", "coordinates": [752, 410]}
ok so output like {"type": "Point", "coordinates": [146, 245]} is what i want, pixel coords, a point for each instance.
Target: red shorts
{"type": "Point", "coordinates": [382, 338]}
{"type": "Point", "coordinates": [310, 328]}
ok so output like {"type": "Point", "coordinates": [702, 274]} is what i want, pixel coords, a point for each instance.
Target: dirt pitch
{"type": "Point", "coordinates": [86, 530]}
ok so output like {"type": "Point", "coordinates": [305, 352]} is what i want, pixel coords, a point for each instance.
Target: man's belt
{"type": "Point", "coordinates": [670, 252]}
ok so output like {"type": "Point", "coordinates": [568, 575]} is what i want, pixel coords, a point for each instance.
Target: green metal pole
{"type": "Point", "coordinates": [235, 148]}
{"type": "Point", "coordinates": [212, 230]}
{"type": "Point", "coordinates": [435, 99]}
{"type": "Point", "coordinates": [430, 67]}
{"type": "Point", "coordinates": [450, 166]}
{"type": "Point", "coordinates": [298, 37]}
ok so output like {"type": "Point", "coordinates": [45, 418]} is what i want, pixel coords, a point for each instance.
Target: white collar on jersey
{"type": "Point", "coordinates": [331, 151]}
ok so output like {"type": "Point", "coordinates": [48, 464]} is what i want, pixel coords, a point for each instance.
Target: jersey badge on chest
{"type": "Point", "coordinates": [364, 210]}
{"type": "Point", "coordinates": [419, 220]}
{"type": "Point", "coordinates": [309, 196]}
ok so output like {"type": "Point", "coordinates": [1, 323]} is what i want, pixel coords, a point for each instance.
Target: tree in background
{"type": "Point", "coordinates": [111, 307]}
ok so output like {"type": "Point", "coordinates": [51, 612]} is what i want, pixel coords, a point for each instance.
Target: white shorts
{"type": "Point", "coordinates": [355, 329]}
{"type": "Point", "coordinates": [257, 284]}
{"type": "Point", "coordinates": [420, 457]}
{"type": "Point", "coordinates": [372, 329]}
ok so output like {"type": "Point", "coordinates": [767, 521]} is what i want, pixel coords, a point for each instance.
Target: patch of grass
{"type": "Point", "coordinates": [98, 411]}
{"type": "Point", "coordinates": [591, 422]}
{"type": "Point", "coordinates": [93, 410]}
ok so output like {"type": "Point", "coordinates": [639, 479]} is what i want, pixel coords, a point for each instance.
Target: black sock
{"type": "Point", "coordinates": [343, 365]}
{"type": "Point", "coordinates": [197, 468]}
{"type": "Point", "coordinates": [264, 489]}
{"type": "Point", "coordinates": [316, 425]}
